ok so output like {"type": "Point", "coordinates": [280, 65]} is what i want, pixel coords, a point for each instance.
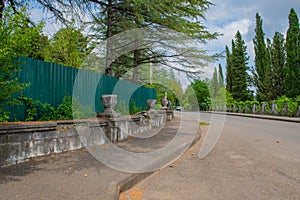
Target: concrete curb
{"type": "Point", "coordinates": [267, 117]}
{"type": "Point", "coordinates": [117, 188]}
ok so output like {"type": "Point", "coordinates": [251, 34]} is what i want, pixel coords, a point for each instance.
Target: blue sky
{"type": "Point", "coordinates": [228, 16]}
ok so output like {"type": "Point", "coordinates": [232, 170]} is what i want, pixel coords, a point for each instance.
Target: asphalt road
{"type": "Point", "coordinates": [253, 159]}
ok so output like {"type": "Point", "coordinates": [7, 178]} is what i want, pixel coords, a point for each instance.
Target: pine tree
{"type": "Point", "coordinates": [292, 73]}
{"type": "Point", "coordinates": [239, 62]}
{"type": "Point", "coordinates": [228, 70]}
{"type": "Point", "coordinates": [278, 61]}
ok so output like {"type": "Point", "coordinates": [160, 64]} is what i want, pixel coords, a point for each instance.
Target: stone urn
{"type": "Point", "coordinates": [151, 104]}
{"type": "Point", "coordinates": [109, 101]}
{"type": "Point", "coordinates": [164, 103]}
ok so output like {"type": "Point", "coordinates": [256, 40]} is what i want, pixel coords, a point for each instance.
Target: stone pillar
{"type": "Point", "coordinates": [234, 108]}
{"type": "Point", "coordinates": [254, 107]}
{"type": "Point", "coordinates": [109, 102]}
{"type": "Point", "coordinates": [240, 109]}
{"type": "Point", "coordinates": [247, 109]}
{"type": "Point", "coordinates": [274, 109]}
{"type": "Point", "coordinates": [285, 110]}
{"type": "Point", "coordinates": [298, 111]}
{"type": "Point", "coordinates": [263, 108]}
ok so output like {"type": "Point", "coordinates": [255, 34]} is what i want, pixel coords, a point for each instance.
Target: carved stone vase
{"type": "Point", "coordinates": [151, 103]}
{"type": "Point", "coordinates": [109, 101]}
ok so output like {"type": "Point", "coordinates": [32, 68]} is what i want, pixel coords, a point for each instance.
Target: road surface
{"type": "Point", "coordinates": [253, 159]}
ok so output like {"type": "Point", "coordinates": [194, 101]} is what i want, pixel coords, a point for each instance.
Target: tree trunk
{"type": "Point", "coordinates": [108, 69]}
{"type": "Point", "coordinates": [1, 9]}
{"type": "Point", "coordinates": [135, 74]}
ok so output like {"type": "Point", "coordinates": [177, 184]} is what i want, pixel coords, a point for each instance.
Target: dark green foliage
{"type": "Point", "coordinates": [48, 112]}
{"type": "Point", "coordinates": [16, 39]}
{"type": "Point", "coordinates": [31, 108]}
{"type": "Point", "coordinates": [133, 108]}
{"type": "Point", "coordinates": [67, 47]}
{"type": "Point", "coordinates": [202, 94]}
{"type": "Point", "coordinates": [239, 62]}
{"type": "Point", "coordinates": [197, 96]}
{"type": "Point", "coordinates": [289, 102]}
{"type": "Point", "coordinates": [293, 56]}
{"type": "Point", "coordinates": [221, 76]}
{"type": "Point", "coordinates": [228, 70]}
{"type": "Point", "coordinates": [69, 109]}
{"type": "Point", "coordinates": [108, 18]}
{"type": "Point", "coordinates": [214, 84]}
{"type": "Point", "coordinates": [64, 110]}
{"type": "Point", "coordinates": [278, 61]}
{"type": "Point", "coordinates": [261, 59]}
{"type": "Point", "coordinates": [268, 90]}
{"type": "Point", "coordinates": [263, 72]}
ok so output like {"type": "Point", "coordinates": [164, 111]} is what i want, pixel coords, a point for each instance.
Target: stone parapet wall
{"type": "Point", "coordinates": [19, 142]}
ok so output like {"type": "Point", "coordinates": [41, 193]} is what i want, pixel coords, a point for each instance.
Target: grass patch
{"type": "Point", "coordinates": [203, 123]}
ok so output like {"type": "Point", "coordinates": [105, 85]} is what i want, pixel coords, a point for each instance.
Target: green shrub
{"type": "Point", "coordinates": [122, 108]}
{"type": "Point", "coordinates": [70, 108]}
{"type": "Point", "coordinates": [32, 108]}
{"type": "Point", "coordinates": [4, 116]}
{"type": "Point", "coordinates": [133, 108]}
{"type": "Point", "coordinates": [47, 112]}
{"type": "Point", "coordinates": [291, 104]}
{"type": "Point", "coordinates": [64, 110]}
{"type": "Point", "coordinates": [267, 107]}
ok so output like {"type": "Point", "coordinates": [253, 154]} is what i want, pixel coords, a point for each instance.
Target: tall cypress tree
{"type": "Point", "coordinates": [228, 70]}
{"type": "Point", "coordinates": [239, 62]}
{"type": "Point", "coordinates": [292, 56]}
{"type": "Point", "coordinates": [260, 58]}
{"type": "Point", "coordinates": [214, 87]}
{"type": "Point", "coordinates": [278, 61]}
{"type": "Point", "coordinates": [268, 90]}
{"type": "Point", "coordinates": [221, 76]}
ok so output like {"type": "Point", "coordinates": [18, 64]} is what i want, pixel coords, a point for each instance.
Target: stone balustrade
{"type": "Point", "coordinates": [255, 108]}
{"type": "Point", "coordinates": [21, 141]}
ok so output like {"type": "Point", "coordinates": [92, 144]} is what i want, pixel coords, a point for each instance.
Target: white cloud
{"type": "Point", "coordinates": [229, 16]}
{"type": "Point", "coordinates": [228, 32]}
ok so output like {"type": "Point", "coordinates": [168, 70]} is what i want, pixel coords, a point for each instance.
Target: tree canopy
{"type": "Point", "coordinates": [17, 38]}
{"type": "Point", "coordinates": [293, 56]}
{"type": "Point", "coordinates": [239, 69]}
{"type": "Point", "coordinates": [67, 47]}
{"type": "Point", "coordinates": [104, 18]}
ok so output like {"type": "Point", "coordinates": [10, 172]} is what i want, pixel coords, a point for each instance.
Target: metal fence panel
{"type": "Point", "coordinates": [50, 82]}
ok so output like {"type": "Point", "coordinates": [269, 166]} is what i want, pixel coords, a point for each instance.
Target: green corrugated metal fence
{"type": "Point", "coordinates": [50, 82]}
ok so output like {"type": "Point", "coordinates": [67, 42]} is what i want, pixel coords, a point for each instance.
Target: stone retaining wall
{"type": "Point", "coordinates": [21, 141]}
